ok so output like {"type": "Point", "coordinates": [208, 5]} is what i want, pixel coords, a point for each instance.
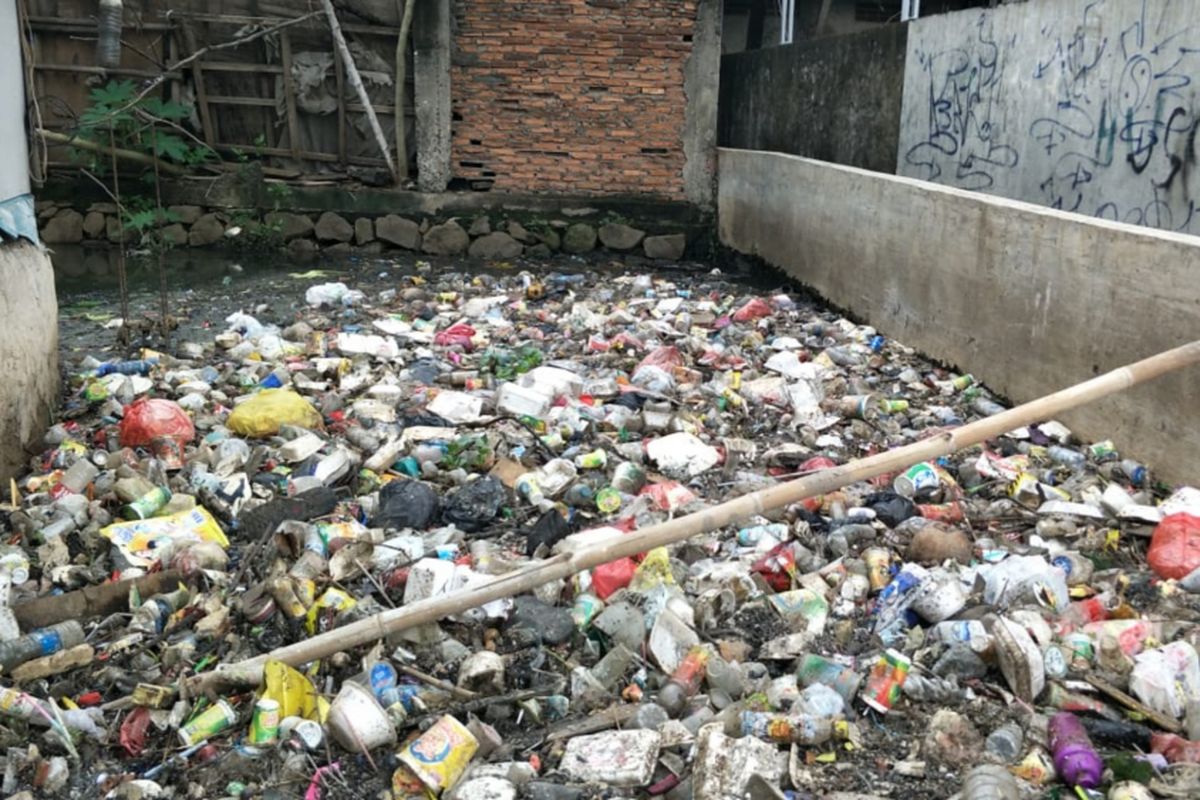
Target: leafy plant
{"type": "Point", "coordinates": [147, 125]}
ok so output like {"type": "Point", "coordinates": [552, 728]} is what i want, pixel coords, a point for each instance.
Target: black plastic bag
{"type": "Point", "coordinates": [549, 529]}
{"type": "Point", "coordinates": [406, 504]}
{"type": "Point", "coordinates": [473, 507]}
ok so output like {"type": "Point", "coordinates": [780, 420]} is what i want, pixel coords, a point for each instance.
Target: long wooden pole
{"type": "Point", "coordinates": [386, 623]}
{"type": "Point", "coordinates": [356, 82]}
{"type": "Point", "coordinates": [401, 80]}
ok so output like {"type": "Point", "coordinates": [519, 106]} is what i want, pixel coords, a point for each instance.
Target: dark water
{"type": "Point", "coordinates": [80, 270]}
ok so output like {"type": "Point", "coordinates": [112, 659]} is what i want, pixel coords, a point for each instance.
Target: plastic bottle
{"type": "Point", "coordinates": [990, 782]}
{"type": "Point", "coordinates": [76, 479]}
{"type": "Point", "coordinates": [138, 367]}
{"type": "Point", "coordinates": [1077, 762]}
{"type": "Point", "coordinates": [152, 615]}
{"type": "Point", "coordinates": [1065, 456]}
{"type": "Point", "coordinates": [787, 729]}
{"type": "Point", "coordinates": [1006, 742]}
{"type": "Point", "coordinates": [108, 43]}
{"type": "Point", "coordinates": [684, 682]}
{"type": "Point", "coordinates": [43, 642]}
{"type": "Point", "coordinates": [1135, 472]}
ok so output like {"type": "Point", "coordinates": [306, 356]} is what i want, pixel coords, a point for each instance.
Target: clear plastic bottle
{"type": "Point", "coordinates": [685, 681]}
{"type": "Point", "coordinates": [1006, 741]}
{"type": "Point", "coordinates": [43, 642]}
{"type": "Point", "coordinates": [990, 782]}
{"type": "Point", "coordinates": [1065, 456]}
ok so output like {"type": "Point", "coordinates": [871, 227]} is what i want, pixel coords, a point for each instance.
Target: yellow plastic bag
{"type": "Point", "coordinates": [655, 570]}
{"type": "Point", "coordinates": [139, 539]}
{"type": "Point", "coordinates": [263, 413]}
{"type": "Point", "coordinates": [296, 695]}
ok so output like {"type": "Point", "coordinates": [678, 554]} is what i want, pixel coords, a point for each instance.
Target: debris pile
{"type": "Point", "coordinates": [1015, 619]}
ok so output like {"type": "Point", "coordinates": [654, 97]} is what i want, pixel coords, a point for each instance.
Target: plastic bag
{"type": "Point", "coordinates": [150, 418]}
{"type": "Point", "coordinates": [549, 529]}
{"type": "Point", "coordinates": [756, 308]}
{"type": "Point", "coordinates": [1175, 548]}
{"type": "Point", "coordinates": [608, 578]}
{"type": "Point", "coordinates": [329, 294]}
{"type": "Point", "coordinates": [265, 412]}
{"type": "Point", "coordinates": [459, 333]}
{"type": "Point", "coordinates": [474, 506]}
{"type": "Point", "coordinates": [406, 504]}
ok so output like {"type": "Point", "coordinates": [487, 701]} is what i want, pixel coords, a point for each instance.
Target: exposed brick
{"type": "Point", "coordinates": [566, 95]}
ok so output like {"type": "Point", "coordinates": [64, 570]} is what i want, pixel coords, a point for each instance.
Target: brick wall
{"type": "Point", "coordinates": [571, 95]}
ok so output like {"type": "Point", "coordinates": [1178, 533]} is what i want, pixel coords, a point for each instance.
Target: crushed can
{"type": "Point", "coordinates": [887, 676]}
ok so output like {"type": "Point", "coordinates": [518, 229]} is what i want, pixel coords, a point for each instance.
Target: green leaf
{"type": "Point", "coordinates": [170, 146]}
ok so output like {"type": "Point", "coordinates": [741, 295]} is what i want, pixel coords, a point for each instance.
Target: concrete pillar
{"type": "Point", "coordinates": [431, 73]}
{"type": "Point", "coordinates": [28, 352]}
{"type": "Point", "coordinates": [701, 84]}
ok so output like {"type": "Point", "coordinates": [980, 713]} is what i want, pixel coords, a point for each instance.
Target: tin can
{"type": "Point", "coordinates": [893, 406]}
{"type": "Point", "coordinates": [441, 754]}
{"type": "Point", "coordinates": [585, 609]}
{"type": "Point", "coordinates": [1080, 646]}
{"type": "Point", "coordinates": [148, 504]}
{"type": "Point", "coordinates": [264, 725]}
{"type": "Point", "coordinates": [593, 460]}
{"type": "Point", "coordinates": [628, 477]}
{"type": "Point", "coordinates": [208, 723]}
{"type": "Point", "coordinates": [879, 562]}
{"type": "Point", "coordinates": [14, 563]}
{"type": "Point", "coordinates": [1056, 660]}
{"type": "Point", "coordinates": [962, 382]}
{"type": "Point", "coordinates": [608, 500]}
{"type": "Point", "coordinates": [302, 733]}
{"type": "Point", "coordinates": [917, 480]}
{"type": "Point", "coordinates": [885, 680]}
{"type": "Point", "coordinates": [842, 679]}
{"type": "Point", "coordinates": [859, 406]}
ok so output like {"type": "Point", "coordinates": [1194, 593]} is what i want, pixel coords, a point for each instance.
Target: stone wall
{"type": "Point", "coordinates": [836, 99]}
{"type": "Point", "coordinates": [584, 96]}
{"type": "Point", "coordinates": [28, 351]}
{"type": "Point", "coordinates": [488, 235]}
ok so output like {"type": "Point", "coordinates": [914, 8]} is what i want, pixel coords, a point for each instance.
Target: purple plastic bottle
{"type": "Point", "coordinates": [1077, 762]}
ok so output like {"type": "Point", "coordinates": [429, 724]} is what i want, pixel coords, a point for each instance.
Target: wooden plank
{"type": "Point", "coordinates": [289, 93]}
{"type": "Point", "coordinates": [85, 70]}
{"type": "Point", "coordinates": [81, 25]}
{"type": "Point", "coordinates": [339, 78]}
{"type": "Point", "coordinates": [328, 158]}
{"type": "Point", "coordinates": [229, 100]}
{"type": "Point", "coordinates": [239, 66]}
{"type": "Point", "coordinates": [207, 123]}
{"type": "Point", "coordinates": [243, 19]}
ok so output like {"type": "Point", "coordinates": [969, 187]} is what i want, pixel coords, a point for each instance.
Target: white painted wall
{"type": "Point", "coordinates": [14, 167]}
{"type": "Point", "coordinates": [1082, 105]}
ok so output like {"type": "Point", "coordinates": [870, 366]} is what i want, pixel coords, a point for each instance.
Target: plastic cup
{"type": "Point", "coordinates": [357, 720]}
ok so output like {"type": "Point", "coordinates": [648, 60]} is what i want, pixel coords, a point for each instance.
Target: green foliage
{"type": "Point", "coordinates": [148, 125]}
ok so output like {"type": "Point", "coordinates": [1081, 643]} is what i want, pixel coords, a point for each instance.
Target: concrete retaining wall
{"type": "Point", "coordinates": [1081, 105]}
{"type": "Point", "coordinates": [28, 351]}
{"type": "Point", "coordinates": [1029, 299]}
{"type": "Point", "coordinates": [836, 99]}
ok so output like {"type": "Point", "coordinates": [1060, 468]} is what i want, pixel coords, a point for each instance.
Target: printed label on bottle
{"type": "Point", "coordinates": [49, 641]}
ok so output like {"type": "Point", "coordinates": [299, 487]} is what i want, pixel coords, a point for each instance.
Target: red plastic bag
{"type": "Point", "coordinates": [777, 567]}
{"type": "Point", "coordinates": [665, 358]}
{"type": "Point", "coordinates": [150, 418]}
{"type": "Point", "coordinates": [608, 578]}
{"type": "Point", "coordinates": [459, 333]}
{"type": "Point", "coordinates": [133, 731]}
{"type": "Point", "coordinates": [757, 308]}
{"type": "Point", "coordinates": [1175, 549]}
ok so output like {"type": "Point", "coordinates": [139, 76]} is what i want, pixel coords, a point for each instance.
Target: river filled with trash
{"type": "Point", "coordinates": [315, 448]}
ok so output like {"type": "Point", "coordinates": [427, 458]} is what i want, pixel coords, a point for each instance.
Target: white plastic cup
{"type": "Point", "coordinates": [357, 720]}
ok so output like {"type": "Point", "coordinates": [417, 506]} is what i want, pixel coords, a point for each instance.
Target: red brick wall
{"type": "Point", "coordinates": [569, 96]}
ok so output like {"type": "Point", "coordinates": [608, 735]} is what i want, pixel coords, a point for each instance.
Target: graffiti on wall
{"type": "Point", "coordinates": [965, 144]}
{"type": "Point", "coordinates": [1093, 111]}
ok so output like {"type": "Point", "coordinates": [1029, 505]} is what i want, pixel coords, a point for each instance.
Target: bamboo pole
{"type": "Point", "coordinates": [564, 565]}
{"type": "Point", "coordinates": [356, 82]}
{"type": "Point", "coordinates": [398, 104]}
